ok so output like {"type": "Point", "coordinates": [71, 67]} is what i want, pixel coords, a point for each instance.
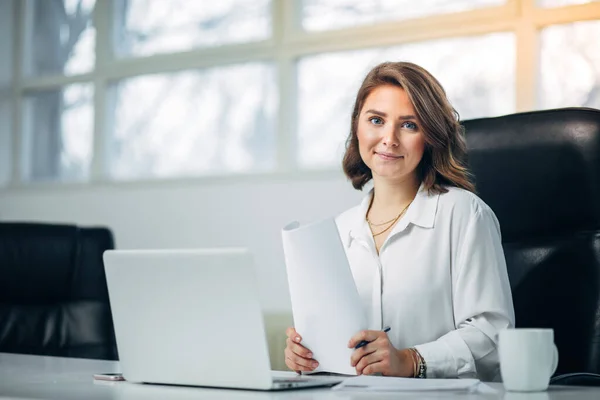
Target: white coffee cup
{"type": "Point", "coordinates": [528, 358]}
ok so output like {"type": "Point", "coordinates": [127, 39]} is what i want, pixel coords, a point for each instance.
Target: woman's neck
{"type": "Point", "coordinates": [391, 195]}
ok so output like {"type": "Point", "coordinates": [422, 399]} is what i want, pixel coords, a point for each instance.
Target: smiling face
{"type": "Point", "coordinates": [390, 139]}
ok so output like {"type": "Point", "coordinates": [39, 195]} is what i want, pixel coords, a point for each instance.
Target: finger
{"type": "Point", "coordinates": [375, 357]}
{"type": "Point", "coordinates": [292, 334]}
{"type": "Point", "coordinates": [289, 361]}
{"type": "Point", "coordinates": [298, 349]}
{"type": "Point", "coordinates": [378, 367]}
{"type": "Point", "coordinates": [289, 332]}
{"type": "Point", "coordinates": [361, 352]}
{"type": "Point", "coordinates": [300, 363]}
{"type": "Point", "coordinates": [369, 336]}
{"type": "Point", "coordinates": [299, 360]}
{"type": "Point", "coordinates": [295, 367]}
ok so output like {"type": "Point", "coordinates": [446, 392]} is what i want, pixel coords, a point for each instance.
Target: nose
{"type": "Point", "coordinates": [390, 138]}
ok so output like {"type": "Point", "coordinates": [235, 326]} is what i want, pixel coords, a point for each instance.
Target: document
{"type": "Point", "coordinates": [392, 384]}
{"type": "Point", "coordinates": [326, 306]}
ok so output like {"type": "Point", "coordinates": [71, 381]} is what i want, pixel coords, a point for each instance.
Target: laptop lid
{"type": "Point", "coordinates": [188, 317]}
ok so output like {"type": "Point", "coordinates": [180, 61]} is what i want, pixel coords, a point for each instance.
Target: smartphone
{"type": "Point", "coordinates": [109, 377]}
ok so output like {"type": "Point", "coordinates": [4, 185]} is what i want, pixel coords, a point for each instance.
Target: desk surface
{"type": "Point", "coordinates": [36, 377]}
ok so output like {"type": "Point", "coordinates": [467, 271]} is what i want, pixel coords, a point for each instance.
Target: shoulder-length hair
{"type": "Point", "coordinates": [444, 159]}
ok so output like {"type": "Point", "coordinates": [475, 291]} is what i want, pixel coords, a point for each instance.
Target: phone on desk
{"type": "Point", "coordinates": [109, 377]}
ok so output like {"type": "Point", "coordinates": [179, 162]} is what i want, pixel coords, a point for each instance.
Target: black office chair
{"type": "Point", "coordinates": [53, 294]}
{"type": "Point", "coordinates": [540, 173]}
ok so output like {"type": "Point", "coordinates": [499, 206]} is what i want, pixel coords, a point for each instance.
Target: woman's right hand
{"type": "Point", "coordinates": [298, 357]}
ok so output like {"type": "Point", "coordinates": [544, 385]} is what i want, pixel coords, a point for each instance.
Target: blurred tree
{"type": "Point", "coordinates": [58, 31]}
{"type": "Point", "coordinates": [141, 32]}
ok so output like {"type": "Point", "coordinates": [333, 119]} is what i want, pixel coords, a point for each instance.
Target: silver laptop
{"type": "Point", "coordinates": [192, 317]}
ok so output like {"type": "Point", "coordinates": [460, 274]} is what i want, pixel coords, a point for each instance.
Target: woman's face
{"type": "Point", "coordinates": [390, 139]}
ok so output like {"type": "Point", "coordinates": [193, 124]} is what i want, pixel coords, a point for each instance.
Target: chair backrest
{"type": "Point", "coordinates": [540, 173]}
{"type": "Point", "coordinates": [53, 295]}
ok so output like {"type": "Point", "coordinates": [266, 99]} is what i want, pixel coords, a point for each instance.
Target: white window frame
{"type": "Point", "coordinates": [287, 43]}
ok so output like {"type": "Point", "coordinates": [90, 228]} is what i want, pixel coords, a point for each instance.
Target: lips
{"type": "Point", "coordinates": [389, 156]}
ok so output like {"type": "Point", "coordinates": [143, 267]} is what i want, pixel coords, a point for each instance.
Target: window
{"type": "Point", "coordinates": [57, 134]}
{"type": "Point", "coordinates": [570, 66]}
{"type": "Point", "coordinates": [194, 122]}
{"type": "Point", "coordinates": [126, 90]}
{"type": "Point", "coordinates": [6, 46]}
{"type": "Point", "coordinates": [6, 90]}
{"type": "Point", "coordinates": [559, 3]}
{"type": "Point", "coordinates": [319, 15]}
{"type": "Point", "coordinates": [145, 27]}
{"type": "Point", "coordinates": [60, 37]}
{"type": "Point", "coordinates": [6, 144]}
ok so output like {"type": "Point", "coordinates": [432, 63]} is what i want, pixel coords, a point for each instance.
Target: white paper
{"type": "Point", "coordinates": [392, 384]}
{"type": "Point", "coordinates": [326, 305]}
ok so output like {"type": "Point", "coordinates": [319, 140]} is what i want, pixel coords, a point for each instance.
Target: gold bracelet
{"type": "Point", "coordinates": [414, 361]}
{"type": "Point", "coordinates": [422, 370]}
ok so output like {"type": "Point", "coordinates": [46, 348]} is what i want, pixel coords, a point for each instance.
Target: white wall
{"type": "Point", "coordinates": [228, 212]}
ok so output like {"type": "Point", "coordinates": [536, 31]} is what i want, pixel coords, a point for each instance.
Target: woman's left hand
{"type": "Point", "coordinates": [379, 356]}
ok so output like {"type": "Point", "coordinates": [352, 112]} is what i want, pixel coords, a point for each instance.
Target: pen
{"type": "Point", "coordinates": [364, 342]}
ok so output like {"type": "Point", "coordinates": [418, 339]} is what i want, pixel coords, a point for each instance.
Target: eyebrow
{"type": "Point", "coordinates": [382, 114]}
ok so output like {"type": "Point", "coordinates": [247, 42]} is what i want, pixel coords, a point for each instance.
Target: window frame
{"type": "Point", "coordinates": [288, 43]}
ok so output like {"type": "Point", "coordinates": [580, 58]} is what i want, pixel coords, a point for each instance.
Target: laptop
{"type": "Point", "coordinates": [192, 317]}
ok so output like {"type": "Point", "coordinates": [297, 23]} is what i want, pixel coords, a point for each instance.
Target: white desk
{"type": "Point", "coordinates": [36, 377]}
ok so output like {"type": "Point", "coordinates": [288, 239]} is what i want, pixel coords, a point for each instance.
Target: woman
{"type": "Point", "coordinates": [424, 250]}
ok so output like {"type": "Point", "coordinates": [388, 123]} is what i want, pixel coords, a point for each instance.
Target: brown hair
{"type": "Point", "coordinates": [444, 159]}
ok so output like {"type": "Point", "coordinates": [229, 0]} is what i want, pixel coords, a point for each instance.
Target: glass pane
{"type": "Point", "coordinates": [58, 133]}
{"type": "Point", "coordinates": [60, 37]}
{"type": "Point", "coordinates": [561, 3]}
{"type": "Point", "coordinates": [147, 27]}
{"type": "Point", "coordinates": [5, 141]}
{"type": "Point", "coordinates": [194, 122]}
{"type": "Point", "coordinates": [479, 82]}
{"type": "Point", "coordinates": [6, 42]}
{"type": "Point", "coordinates": [570, 66]}
{"type": "Point", "coordinates": [321, 15]}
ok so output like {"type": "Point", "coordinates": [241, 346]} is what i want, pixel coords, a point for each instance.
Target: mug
{"type": "Point", "coordinates": [528, 358]}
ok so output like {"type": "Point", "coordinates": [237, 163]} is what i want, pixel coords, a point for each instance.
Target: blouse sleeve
{"type": "Point", "coordinates": [482, 304]}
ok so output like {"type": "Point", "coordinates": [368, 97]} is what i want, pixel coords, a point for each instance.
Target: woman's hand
{"type": "Point", "coordinates": [298, 357]}
{"type": "Point", "coordinates": [379, 356]}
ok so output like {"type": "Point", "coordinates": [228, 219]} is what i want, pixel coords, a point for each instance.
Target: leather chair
{"type": "Point", "coordinates": [53, 294]}
{"type": "Point", "coordinates": [540, 173]}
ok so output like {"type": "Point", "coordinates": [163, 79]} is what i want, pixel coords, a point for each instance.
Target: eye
{"type": "Point", "coordinates": [376, 120]}
{"type": "Point", "coordinates": [410, 125]}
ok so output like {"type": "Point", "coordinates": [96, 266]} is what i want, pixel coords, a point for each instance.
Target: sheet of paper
{"type": "Point", "coordinates": [326, 305]}
{"type": "Point", "coordinates": [391, 384]}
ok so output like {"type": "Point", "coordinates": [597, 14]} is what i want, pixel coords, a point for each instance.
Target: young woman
{"type": "Point", "coordinates": [424, 250]}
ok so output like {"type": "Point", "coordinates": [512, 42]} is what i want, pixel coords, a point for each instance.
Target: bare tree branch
{"type": "Point", "coordinates": [227, 17]}
{"type": "Point", "coordinates": [77, 23]}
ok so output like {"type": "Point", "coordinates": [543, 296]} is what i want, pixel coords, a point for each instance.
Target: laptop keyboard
{"type": "Point", "coordinates": [290, 380]}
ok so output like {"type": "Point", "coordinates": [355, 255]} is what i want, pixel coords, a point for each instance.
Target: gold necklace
{"type": "Point", "coordinates": [393, 221]}
{"type": "Point", "coordinates": [381, 224]}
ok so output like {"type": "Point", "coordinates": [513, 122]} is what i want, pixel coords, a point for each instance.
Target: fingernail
{"type": "Point", "coordinates": [297, 339]}
{"type": "Point", "coordinates": [310, 355]}
{"type": "Point", "coordinates": [315, 364]}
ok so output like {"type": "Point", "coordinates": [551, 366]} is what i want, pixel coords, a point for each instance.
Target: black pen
{"type": "Point", "coordinates": [364, 342]}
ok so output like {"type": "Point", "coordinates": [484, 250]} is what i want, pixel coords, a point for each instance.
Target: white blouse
{"type": "Point", "coordinates": [439, 281]}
